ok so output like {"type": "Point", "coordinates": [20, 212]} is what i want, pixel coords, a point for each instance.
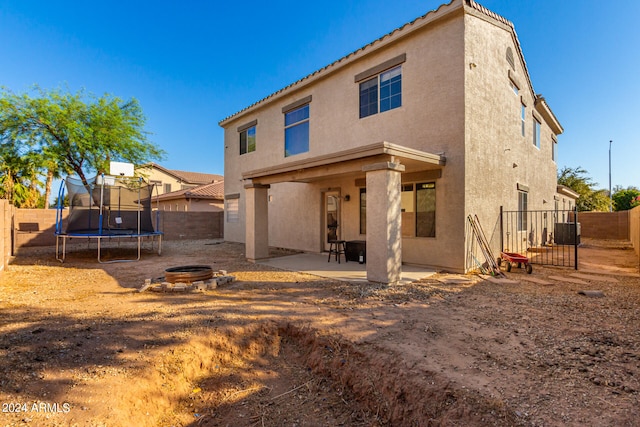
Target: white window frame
{"type": "Point", "coordinates": [523, 117]}
{"type": "Point", "coordinates": [536, 133]}
{"type": "Point", "coordinates": [378, 83]}
{"type": "Point", "coordinates": [523, 202]}
{"type": "Point", "coordinates": [305, 121]}
{"type": "Point", "coordinates": [248, 133]}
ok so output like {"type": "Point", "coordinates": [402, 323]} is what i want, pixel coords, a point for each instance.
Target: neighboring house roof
{"type": "Point", "coordinates": [212, 191]}
{"type": "Point", "coordinates": [187, 177]}
{"type": "Point", "coordinates": [443, 10]}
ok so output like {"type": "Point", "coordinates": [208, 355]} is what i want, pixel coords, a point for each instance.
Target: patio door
{"type": "Point", "coordinates": [331, 218]}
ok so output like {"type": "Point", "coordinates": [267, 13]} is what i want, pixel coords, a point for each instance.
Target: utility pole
{"type": "Point", "coordinates": [610, 194]}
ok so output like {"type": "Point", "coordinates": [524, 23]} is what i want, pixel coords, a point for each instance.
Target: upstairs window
{"type": "Point", "coordinates": [554, 150]}
{"type": "Point", "coordinates": [536, 133]}
{"type": "Point", "coordinates": [523, 110]}
{"type": "Point", "coordinates": [514, 88]}
{"type": "Point", "coordinates": [247, 133]}
{"type": "Point", "coordinates": [369, 98]}
{"type": "Point", "coordinates": [391, 89]}
{"type": "Point", "coordinates": [381, 93]}
{"type": "Point", "coordinates": [296, 131]}
{"type": "Point", "coordinates": [248, 140]}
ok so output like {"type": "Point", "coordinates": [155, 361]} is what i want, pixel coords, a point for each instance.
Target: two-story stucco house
{"type": "Point", "coordinates": [396, 143]}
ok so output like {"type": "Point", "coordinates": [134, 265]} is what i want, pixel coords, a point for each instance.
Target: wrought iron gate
{"type": "Point", "coordinates": [545, 237]}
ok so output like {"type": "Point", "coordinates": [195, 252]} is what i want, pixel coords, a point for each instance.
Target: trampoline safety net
{"type": "Point", "coordinates": [108, 206]}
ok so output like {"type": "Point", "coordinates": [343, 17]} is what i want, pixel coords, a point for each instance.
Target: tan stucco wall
{"type": "Point", "coordinates": [497, 156]}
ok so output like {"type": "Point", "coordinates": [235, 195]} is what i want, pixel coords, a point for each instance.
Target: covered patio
{"type": "Point", "coordinates": [379, 167]}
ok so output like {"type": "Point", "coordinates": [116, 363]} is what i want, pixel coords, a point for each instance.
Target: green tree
{"type": "Point", "coordinates": [19, 179]}
{"type": "Point", "coordinates": [65, 201]}
{"type": "Point", "coordinates": [625, 198]}
{"type": "Point", "coordinates": [590, 199]}
{"type": "Point", "coordinates": [75, 133]}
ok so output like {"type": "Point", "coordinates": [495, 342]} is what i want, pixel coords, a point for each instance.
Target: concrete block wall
{"type": "Point", "coordinates": [634, 229]}
{"type": "Point", "coordinates": [192, 225]}
{"type": "Point", "coordinates": [605, 225]}
{"type": "Point", "coordinates": [5, 233]}
{"type": "Point", "coordinates": [36, 227]}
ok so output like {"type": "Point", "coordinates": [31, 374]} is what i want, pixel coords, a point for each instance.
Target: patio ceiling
{"type": "Point", "coordinates": [347, 162]}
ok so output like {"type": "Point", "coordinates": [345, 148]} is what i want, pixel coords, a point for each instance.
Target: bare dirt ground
{"type": "Point", "coordinates": [79, 346]}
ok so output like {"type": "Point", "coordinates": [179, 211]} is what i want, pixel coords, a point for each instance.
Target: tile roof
{"type": "Point", "coordinates": [406, 28]}
{"type": "Point", "coordinates": [212, 191]}
{"type": "Point", "coordinates": [196, 177]}
{"type": "Point", "coordinates": [187, 177]}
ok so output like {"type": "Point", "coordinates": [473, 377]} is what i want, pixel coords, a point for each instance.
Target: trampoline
{"type": "Point", "coordinates": [108, 207]}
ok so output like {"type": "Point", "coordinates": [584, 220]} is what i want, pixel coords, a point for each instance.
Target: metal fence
{"type": "Point", "coordinates": [545, 237]}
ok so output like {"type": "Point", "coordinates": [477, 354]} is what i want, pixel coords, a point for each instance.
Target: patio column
{"type": "Point", "coordinates": [257, 222]}
{"type": "Point", "coordinates": [384, 232]}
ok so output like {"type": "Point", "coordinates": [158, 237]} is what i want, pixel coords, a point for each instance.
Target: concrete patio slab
{"type": "Point", "coordinates": [317, 265]}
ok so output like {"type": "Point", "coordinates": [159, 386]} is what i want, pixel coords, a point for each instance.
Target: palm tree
{"type": "Point", "coordinates": [19, 179]}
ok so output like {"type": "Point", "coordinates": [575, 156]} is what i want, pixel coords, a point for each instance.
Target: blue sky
{"type": "Point", "coordinates": [193, 63]}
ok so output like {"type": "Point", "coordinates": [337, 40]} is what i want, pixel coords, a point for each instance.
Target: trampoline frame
{"type": "Point", "coordinates": [124, 233]}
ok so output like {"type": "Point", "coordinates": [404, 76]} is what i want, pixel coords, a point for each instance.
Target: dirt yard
{"type": "Point", "coordinates": [79, 346]}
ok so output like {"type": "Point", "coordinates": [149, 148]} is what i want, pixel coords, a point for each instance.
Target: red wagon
{"type": "Point", "coordinates": [511, 258]}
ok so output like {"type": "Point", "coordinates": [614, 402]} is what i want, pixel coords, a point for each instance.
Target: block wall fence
{"type": "Point", "coordinates": [36, 227]}
{"type": "Point", "coordinates": [6, 214]}
{"type": "Point", "coordinates": [634, 230]}
{"type": "Point", "coordinates": [605, 225]}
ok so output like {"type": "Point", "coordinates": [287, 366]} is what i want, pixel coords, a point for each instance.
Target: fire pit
{"type": "Point", "coordinates": [188, 273]}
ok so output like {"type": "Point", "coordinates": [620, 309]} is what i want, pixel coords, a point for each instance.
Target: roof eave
{"type": "Point", "coordinates": [188, 197]}
{"type": "Point", "coordinates": [566, 191]}
{"type": "Point", "coordinates": [164, 170]}
{"type": "Point", "coordinates": [542, 107]}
